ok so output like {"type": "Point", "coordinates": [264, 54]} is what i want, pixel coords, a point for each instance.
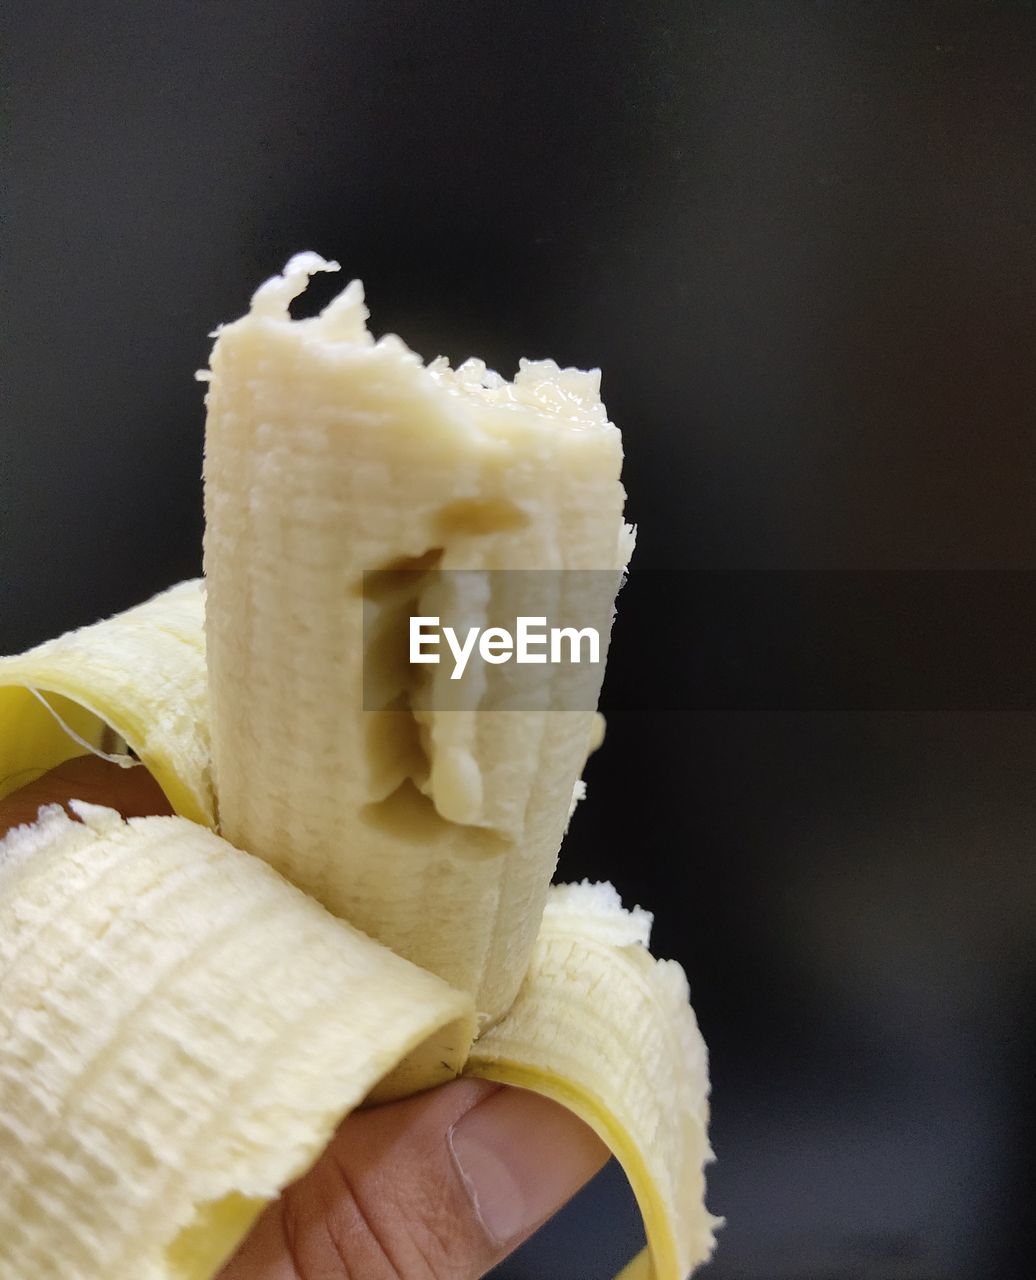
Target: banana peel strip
{"type": "Point", "coordinates": [606, 1030]}
{"type": "Point", "coordinates": [219, 1101]}
{"type": "Point", "coordinates": [139, 676]}
{"type": "Point", "coordinates": [181, 1031]}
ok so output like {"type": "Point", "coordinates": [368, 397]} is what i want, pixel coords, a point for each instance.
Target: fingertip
{"type": "Point", "coordinates": [521, 1157]}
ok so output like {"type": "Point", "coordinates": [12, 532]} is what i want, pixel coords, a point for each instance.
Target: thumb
{"type": "Point", "coordinates": [437, 1187]}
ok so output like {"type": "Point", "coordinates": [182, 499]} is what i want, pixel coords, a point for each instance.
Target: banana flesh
{"type": "Point", "coordinates": [132, 951]}
{"type": "Point", "coordinates": [180, 1033]}
{"type": "Point", "coordinates": [327, 455]}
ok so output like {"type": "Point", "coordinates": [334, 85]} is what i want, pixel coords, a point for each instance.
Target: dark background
{"type": "Point", "coordinates": [798, 239]}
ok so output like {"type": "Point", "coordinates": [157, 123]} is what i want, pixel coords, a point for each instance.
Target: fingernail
{"type": "Point", "coordinates": [521, 1157]}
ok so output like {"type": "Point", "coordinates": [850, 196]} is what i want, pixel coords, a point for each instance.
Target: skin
{"type": "Point", "coordinates": [388, 1199]}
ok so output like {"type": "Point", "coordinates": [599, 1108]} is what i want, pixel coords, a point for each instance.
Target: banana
{"type": "Point", "coordinates": [328, 454]}
{"type": "Point", "coordinates": [129, 950]}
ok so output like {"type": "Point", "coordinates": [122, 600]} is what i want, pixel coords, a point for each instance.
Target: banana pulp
{"type": "Point", "coordinates": [328, 454]}
{"type": "Point", "coordinates": [154, 952]}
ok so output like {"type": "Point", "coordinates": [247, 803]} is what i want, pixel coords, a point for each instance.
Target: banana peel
{"type": "Point", "coordinates": [598, 1025]}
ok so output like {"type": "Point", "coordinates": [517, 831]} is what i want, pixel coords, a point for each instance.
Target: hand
{"type": "Point", "coordinates": [437, 1187]}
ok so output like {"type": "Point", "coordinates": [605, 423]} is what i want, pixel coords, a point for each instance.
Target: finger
{"type": "Point", "coordinates": [438, 1187]}
{"type": "Point", "coordinates": [133, 792]}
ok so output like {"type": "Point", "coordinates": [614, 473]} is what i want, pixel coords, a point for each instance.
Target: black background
{"type": "Point", "coordinates": [797, 237]}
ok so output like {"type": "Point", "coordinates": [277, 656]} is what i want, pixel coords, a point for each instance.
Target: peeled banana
{"type": "Point", "coordinates": [328, 454]}
{"type": "Point", "coordinates": [153, 977]}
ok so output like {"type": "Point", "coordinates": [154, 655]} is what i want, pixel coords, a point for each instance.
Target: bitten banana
{"type": "Point", "coordinates": [154, 1089]}
{"type": "Point", "coordinates": [328, 454]}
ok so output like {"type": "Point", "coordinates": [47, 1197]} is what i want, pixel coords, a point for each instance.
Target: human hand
{"type": "Point", "coordinates": [441, 1186]}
